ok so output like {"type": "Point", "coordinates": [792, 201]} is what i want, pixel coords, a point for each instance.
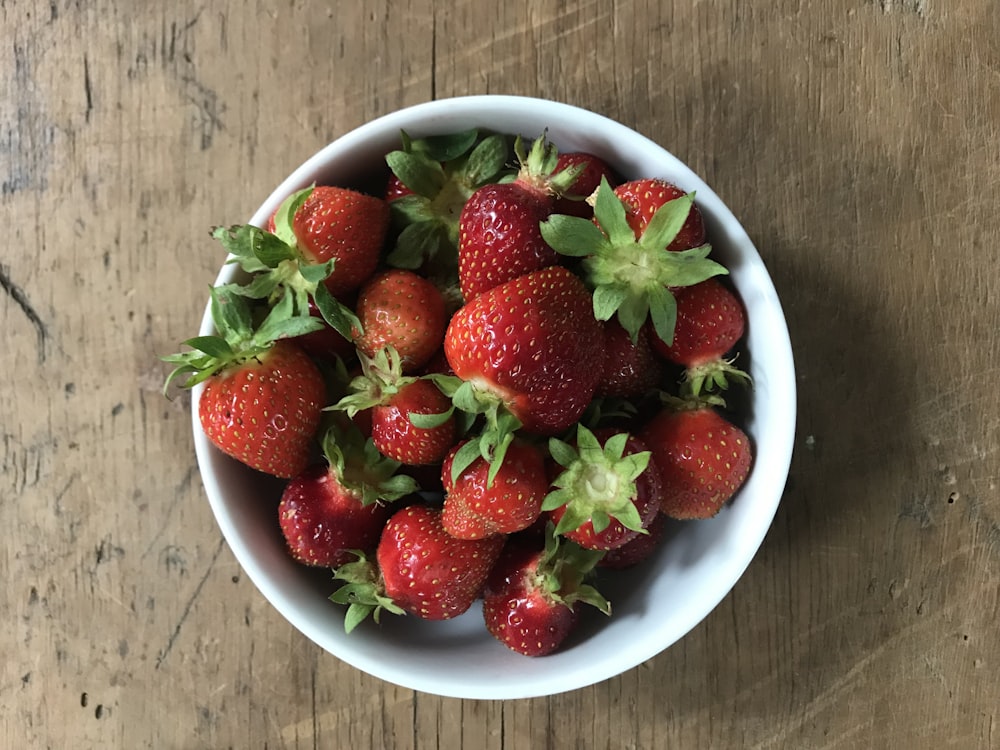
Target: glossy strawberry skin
{"type": "Point", "coordinates": [404, 310]}
{"type": "Point", "coordinates": [710, 321]}
{"type": "Point", "coordinates": [322, 521]}
{"type": "Point", "coordinates": [345, 225]}
{"type": "Point", "coordinates": [265, 411]}
{"type": "Point", "coordinates": [499, 238]}
{"type": "Point", "coordinates": [702, 457]}
{"type": "Point", "coordinates": [642, 198]}
{"type": "Point", "coordinates": [395, 435]}
{"type": "Point", "coordinates": [518, 613]}
{"type": "Point", "coordinates": [630, 368]}
{"type": "Point", "coordinates": [428, 572]}
{"type": "Point", "coordinates": [648, 488]}
{"type": "Point", "coordinates": [586, 183]}
{"type": "Point", "coordinates": [474, 510]}
{"type": "Point", "coordinates": [535, 343]}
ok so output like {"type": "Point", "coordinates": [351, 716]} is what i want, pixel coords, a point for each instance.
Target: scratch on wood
{"type": "Point", "coordinates": [17, 294]}
{"type": "Point", "coordinates": [162, 657]}
{"type": "Point", "coordinates": [88, 89]}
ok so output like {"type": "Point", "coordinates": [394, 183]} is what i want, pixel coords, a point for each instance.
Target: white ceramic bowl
{"type": "Point", "coordinates": [654, 604]}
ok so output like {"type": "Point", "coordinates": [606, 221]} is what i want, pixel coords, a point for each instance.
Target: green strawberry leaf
{"type": "Point", "coordinates": [213, 346]}
{"type": "Point", "coordinates": [416, 243]}
{"type": "Point", "coordinates": [411, 209]}
{"type": "Point", "coordinates": [486, 160]}
{"type": "Point", "coordinates": [572, 236]}
{"type": "Point", "coordinates": [338, 315]}
{"type": "Point", "coordinates": [464, 458]}
{"type": "Point", "coordinates": [610, 214]}
{"type": "Point", "coordinates": [667, 222]}
{"type": "Point", "coordinates": [430, 421]}
{"type": "Point", "coordinates": [231, 315]}
{"type": "Point", "coordinates": [442, 148]}
{"type": "Point", "coordinates": [608, 299]}
{"type": "Point", "coordinates": [663, 311]}
{"type": "Point", "coordinates": [285, 215]}
{"type": "Point", "coordinates": [421, 174]}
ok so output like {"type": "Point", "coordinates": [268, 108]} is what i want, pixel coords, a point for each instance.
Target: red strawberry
{"type": "Point", "coordinates": [533, 345]}
{"type": "Point", "coordinates": [263, 397]}
{"type": "Point", "coordinates": [643, 198]}
{"type": "Point", "coordinates": [409, 419]}
{"type": "Point", "coordinates": [345, 226]}
{"type": "Point", "coordinates": [331, 509]}
{"type": "Point", "coordinates": [639, 549]}
{"type": "Point", "coordinates": [531, 596]}
{"type": "Point", "coordinates": [609, 491]}
{"type": "Point", "coordinates": [265, 410]}
{"type": "Point", "coordinates": [395, 189]}
{"type": "Point", "coordinates": [322, 521]}
{"type": "Point", "coordinates": [710, 322]}
{"type": "Point", "coordinates": [703, 460]}
{"type": "Point", "coordinates": [630, 367]}
{"type": "Point", "coordinates": [499, 238]}
{"type": "Point", "coordinates": [428, 572]}
{"type": "Point", "coordinates": [395, 434]}
{"type": "Point", "coordinates": [573, 200]}
{"type": "Point", "coordinates": [631, 272]}
{"type": "Point", "coordinates": [402, 310]}
{"type": "Point", "coordinates": [475, 507]}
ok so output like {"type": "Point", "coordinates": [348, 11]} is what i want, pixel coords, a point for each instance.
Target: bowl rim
{"type": "Point", "coordinates": [780, 366]}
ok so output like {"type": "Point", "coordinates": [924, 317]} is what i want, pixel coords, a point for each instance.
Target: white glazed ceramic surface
{"type": "Point", "coordinates": [654, 604]}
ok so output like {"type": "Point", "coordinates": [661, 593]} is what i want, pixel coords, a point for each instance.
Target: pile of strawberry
{"type": "Point", "coordinates": [489, 382]}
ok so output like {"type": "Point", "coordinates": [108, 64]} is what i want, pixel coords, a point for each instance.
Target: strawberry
{"type": "Point", "coordinates": [475, 508]}
{"type": "Point", "coordinates": [345, 226]}
{"type": "Point", "coordinates": [533, 344]}
{"type": "Point", "coordinates": [263, 395]}
{"type": "Point", "coordinates": [531, 596]}
{"type": "Point", "coordinates": [710, 322]}
{"type": "Point", "coordinates": [410, 420]}
{"type": "Point", "coordinates": [431, 180]}
{"type": "Point", "coordinates": [630, 367]}
{"type": "Point", "coordinates": [313, 231]}
{"type": "Point", "coordinates": [637, 550]}
{"type": "Point", "coordinates": [330, 509]}
{"type": "Point", "coordinates": [632, 273]}
{"type": "Point", "coordinates": [573, 202]}
{"type": "Point", "coordinates": [643, 198]}
{"type": "Point", "coordinates": [402, 310]}
{"type": "Point", "coordinates": [499, 238]}
{"type": "Point", "coordinates": [609, 490]}
{"type": "Point", "coordinates": [395, 429]}
{"type": "Point", "coordinates": [419, 568]}
{"type": "Point", "coordinates": [702, 457]}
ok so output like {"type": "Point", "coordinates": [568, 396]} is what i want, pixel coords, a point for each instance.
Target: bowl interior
{"type": "Point", "coordinates": [654, 604]}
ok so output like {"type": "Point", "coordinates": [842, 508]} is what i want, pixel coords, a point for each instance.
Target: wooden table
{"type": "Point", "coordinates": [858, 141]}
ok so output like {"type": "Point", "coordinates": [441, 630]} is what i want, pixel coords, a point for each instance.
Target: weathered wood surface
{"type": "Point", "coordinates": [857, 140]}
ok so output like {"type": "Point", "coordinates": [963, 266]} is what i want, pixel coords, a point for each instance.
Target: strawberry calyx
{"type": "Point", "coordinates": [441, 172]}
{"type": "Point", "coordinates": [714, 375]}
{"type": "Point", "coordinates": [382, 378]}
{"type": "Point", "coordinates": [363, 592]}
{"type": "Point", "coordinates": [279, 268]}
{"type": "Point", "coordinates": [360, 468]}
{"type": "Point", "coordinates": [538, 167]}
{"type": "Point", "coordinates": [562, 570]}
{"type": "Point", "coordinates": [598, 483]}
{"type": "Point", "coordinates": [498, 429]}
{"type": "Point", "coordinates": [237, 341]}
{"type": "Point", "coordinates": [632, 277]}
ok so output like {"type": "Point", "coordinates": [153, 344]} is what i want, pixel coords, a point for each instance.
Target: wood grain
{"type": "Point", "coordinates": [856, 140]}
